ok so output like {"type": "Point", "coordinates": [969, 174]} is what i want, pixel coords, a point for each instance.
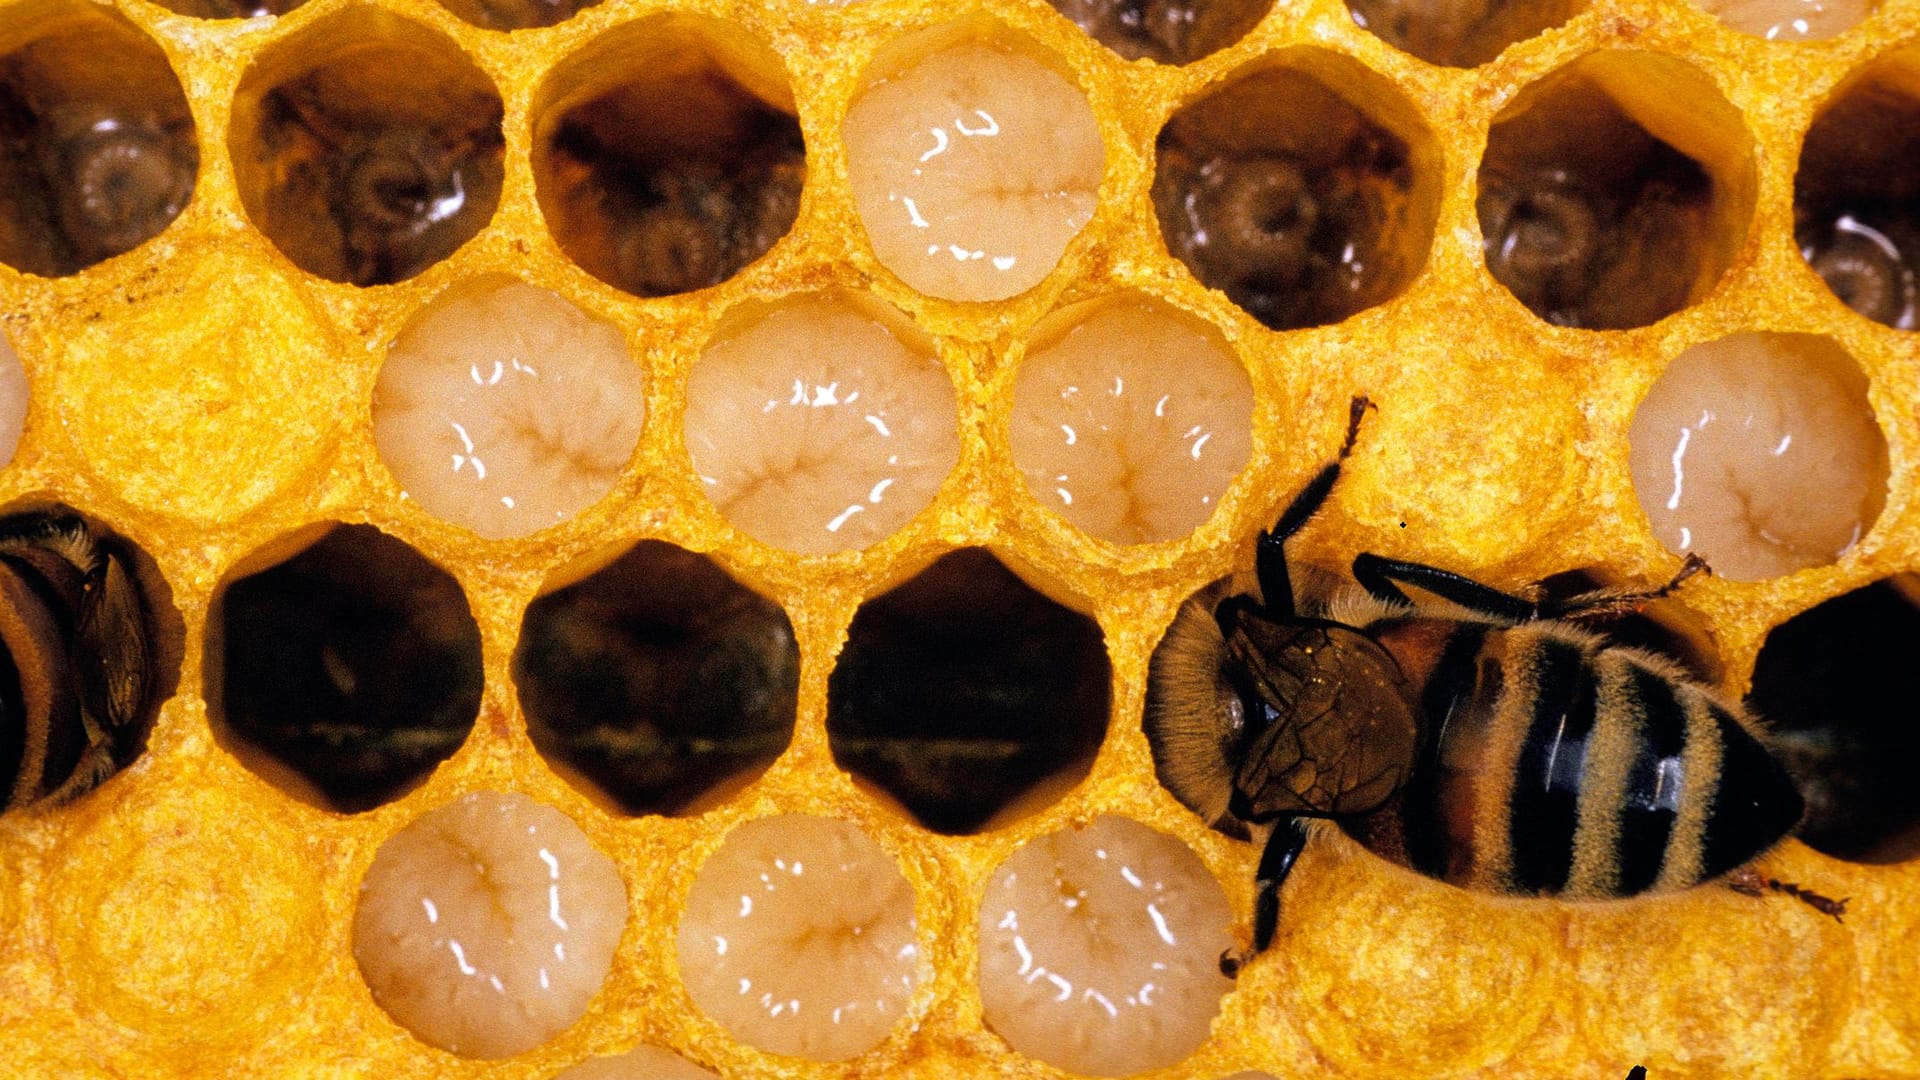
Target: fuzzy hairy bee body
{"type": "Point", "coordinates": [1554, 763]}
{"type": "Point", "coordinates": [76, 661]}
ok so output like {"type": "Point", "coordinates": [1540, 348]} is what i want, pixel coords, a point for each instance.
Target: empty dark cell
{"type": "Point", "coordinates": [1458, 33]}
{"type": "Point", "coordinates": [964, 689]}
{"type": "Point", "coordinates": [372, 199]}
{"type": "Point", "coordinates": [1168, 31]}
{"type": "Point", "coordinates": [230, 9]}
{"type": "Point", "coordinates": [1589, 220]}
{"type": "Point", "coordinates": [356, 663]}
{"type": "Point", "coordinates": [1838, 685]}
{"type": "Point", "coordinates": [658, 679]}
{"type": "Point", "coordinates": [672, 185]}
{"type": "Point", "coordinates": [1857, 202]}
{"type": "Point", "coordinates": [1295, 204]}
{"type": "Point", "coordinates": [97, 148]}
{"type": "Point", "coordinates": [517, 14]}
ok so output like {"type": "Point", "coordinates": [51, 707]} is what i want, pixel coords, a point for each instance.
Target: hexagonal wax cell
{"type": "Point", "coordinates": [973, 166]}
{"type": "Point", "coordinates": [821, 424]}
{"type": "Point", "coordinates": [504, 408]}
{"type": "Point", "coordinates": [1760, 452]}
{"type": "Point", "coordinates": [1130, 419]}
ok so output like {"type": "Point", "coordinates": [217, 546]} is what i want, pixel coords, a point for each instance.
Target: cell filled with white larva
{"type": "Point", "coordinates": [1791, 20]}
{"type": "Point", "coordinates": [1603, 207]}
{"type": "Point", "coordinates": [1100, 949]}
{"type": "Point", "coordinates": [975, 159]}
{"type": "Point", "coordinates": [98, 152]}
{"type": "Point", "coordinates": [642, 1063]}
{"type": "Point", "coordinates": [342, 665]}
{"type": "Point", "coordinates": [505, 409]}
{"type": "Point", "coordinates": [657, 683]}
{"type": "Point", "coordinates": [486, 926]}
{"type": "Point", "coordinates": [14, 399]}
{"type": "Point", "coordinates": [822, 423]}
{"type": "Point", "coordinates": [1130, 419]}
{"type": "Point", "coordinates": [799, 938]}
{"type": "Point", "coordinates": [1761, 453]}
{"type": "Point", "coordinates": [666, 154]}
{"type": "Point", "coordinates": [1856, 196]}
{"type": "Point", "coordinates": [1279, 189]}
{"type": "Point", "coordinates": [368, 147]}
{"type": "Point", "coordinates": [967, 695]}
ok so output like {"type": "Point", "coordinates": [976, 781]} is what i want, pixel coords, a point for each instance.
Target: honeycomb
{"type": "Point", "coordinates": [200, 383]}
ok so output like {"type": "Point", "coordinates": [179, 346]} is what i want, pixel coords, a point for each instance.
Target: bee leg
{"type": "Point", "coordinates": [1378, 575]}
{"type": "Point", "coordinates": [1270, 558]}
{"type": "Point", "coordinates": [1613, 603]}
{"type": "Point", "coordinates": [1276, 862]}
{"type": "Point", "coordinates": [1750, 882]}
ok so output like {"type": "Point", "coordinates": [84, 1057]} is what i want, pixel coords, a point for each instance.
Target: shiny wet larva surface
{"type": "Point", "coordinates": [486, 926]}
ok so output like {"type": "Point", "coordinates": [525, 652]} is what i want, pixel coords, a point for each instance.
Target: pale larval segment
{"type": "Point", "coordinates": [1760, 452]}
{"type": "Point", "coordinates": [1791, 20]}
{"type": "Point", "coordinates": [643, 1063]}
{"type": "Point", "coordinates": [505, 409]}
{"type": "Point", "coordinates": [798, 938]}
{"type": "Point", "coordinates": [1100, 949]}
{"type": "Point", "coordinates": [1133, 422]}
{"type": "Point", "coordinates": [13, 400]}
{"type": "Point", "coordinates": [487, 925]}
{"type": "Point", "coordinates": [972, 169]}
{"type": "Point", "coordinates": [822, 425]}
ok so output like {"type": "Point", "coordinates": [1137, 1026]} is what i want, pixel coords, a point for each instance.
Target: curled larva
{"type": "Point", "coordinates": [486, 926]}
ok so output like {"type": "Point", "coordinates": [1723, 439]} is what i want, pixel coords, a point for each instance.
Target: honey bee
{"type": "Point", "coordinates": [1480, 738]}
{"type": "Point", "coordinates": [77, 675]}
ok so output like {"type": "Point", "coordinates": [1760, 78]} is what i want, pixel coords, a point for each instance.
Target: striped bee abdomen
{"type": "Point", "coordinates": [1559, 765]}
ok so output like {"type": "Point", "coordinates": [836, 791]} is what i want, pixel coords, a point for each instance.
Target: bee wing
{"type": "Point", "coordinates": [1345, 730]}
{"type": "Point", "coordinates": [112, 655]}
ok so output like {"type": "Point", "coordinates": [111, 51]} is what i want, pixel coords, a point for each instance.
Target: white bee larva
{"type": "Point", "coordinates": [1100, 949]}
{"type": "Point", "coordinates": [1791, 20]}
{"type": "Point", "coordinates": [644, 1063]}
{"type": "Point", "coordinates": [13, 400]}
{"type": "Point", "coordinates": [1132, 422]}
{"type": "Point", "coordinates": [1760, 452]}
{"type": "Point", "coordinates": [506, 409]}
{"type": "Point", "coordinates": [821, 425]}
{"type": "Point", "coordinates": [486, 926]}
{"type": "Point", "coordinates": [972, 169]}
{"type": "Point", "coordinates": [798, 938]}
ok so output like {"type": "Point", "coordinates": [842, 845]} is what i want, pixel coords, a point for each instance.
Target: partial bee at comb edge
{"type": "Point", "coordinates": [1487, 740]}
{"type": "Point", "coordinates": [78, 668]}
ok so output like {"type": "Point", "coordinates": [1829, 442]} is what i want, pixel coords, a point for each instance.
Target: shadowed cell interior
{"type": "Point", "coordinates": [230, 9]}
{"type": "Point", "coordinates": [1586, 217]}
{"type": "Point", "coordinates": [1856, 197]}
{"type": "Point", "coordinates": [515, 14]}
{"type": "Point", "coordinates": [1167, 31]}
{"type": "Point", "coordinates": [658, 680]}
{"type": "Point", "coordinates": [964, 690]}
{"type": "Point", "coordinates": [1837, 684]}
{"type": "Point", "coordinates": [1281, 193]}
{"type": "Point", "coordinates": [672, 178]}
{"type": "Point", "coordinates": [368, 148]}
{"type": "Point", "coordinates": [1459, 33]}
{"type": "Point", "coordinates": [345, 673]}
{"type": "Point", "coordinates": [97, 147]}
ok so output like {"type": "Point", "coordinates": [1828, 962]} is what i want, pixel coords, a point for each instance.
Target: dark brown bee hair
{"type": "Point", "coordinates": [77, 666]}
{"type": "Point", "coordinates": [1479, 738]}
